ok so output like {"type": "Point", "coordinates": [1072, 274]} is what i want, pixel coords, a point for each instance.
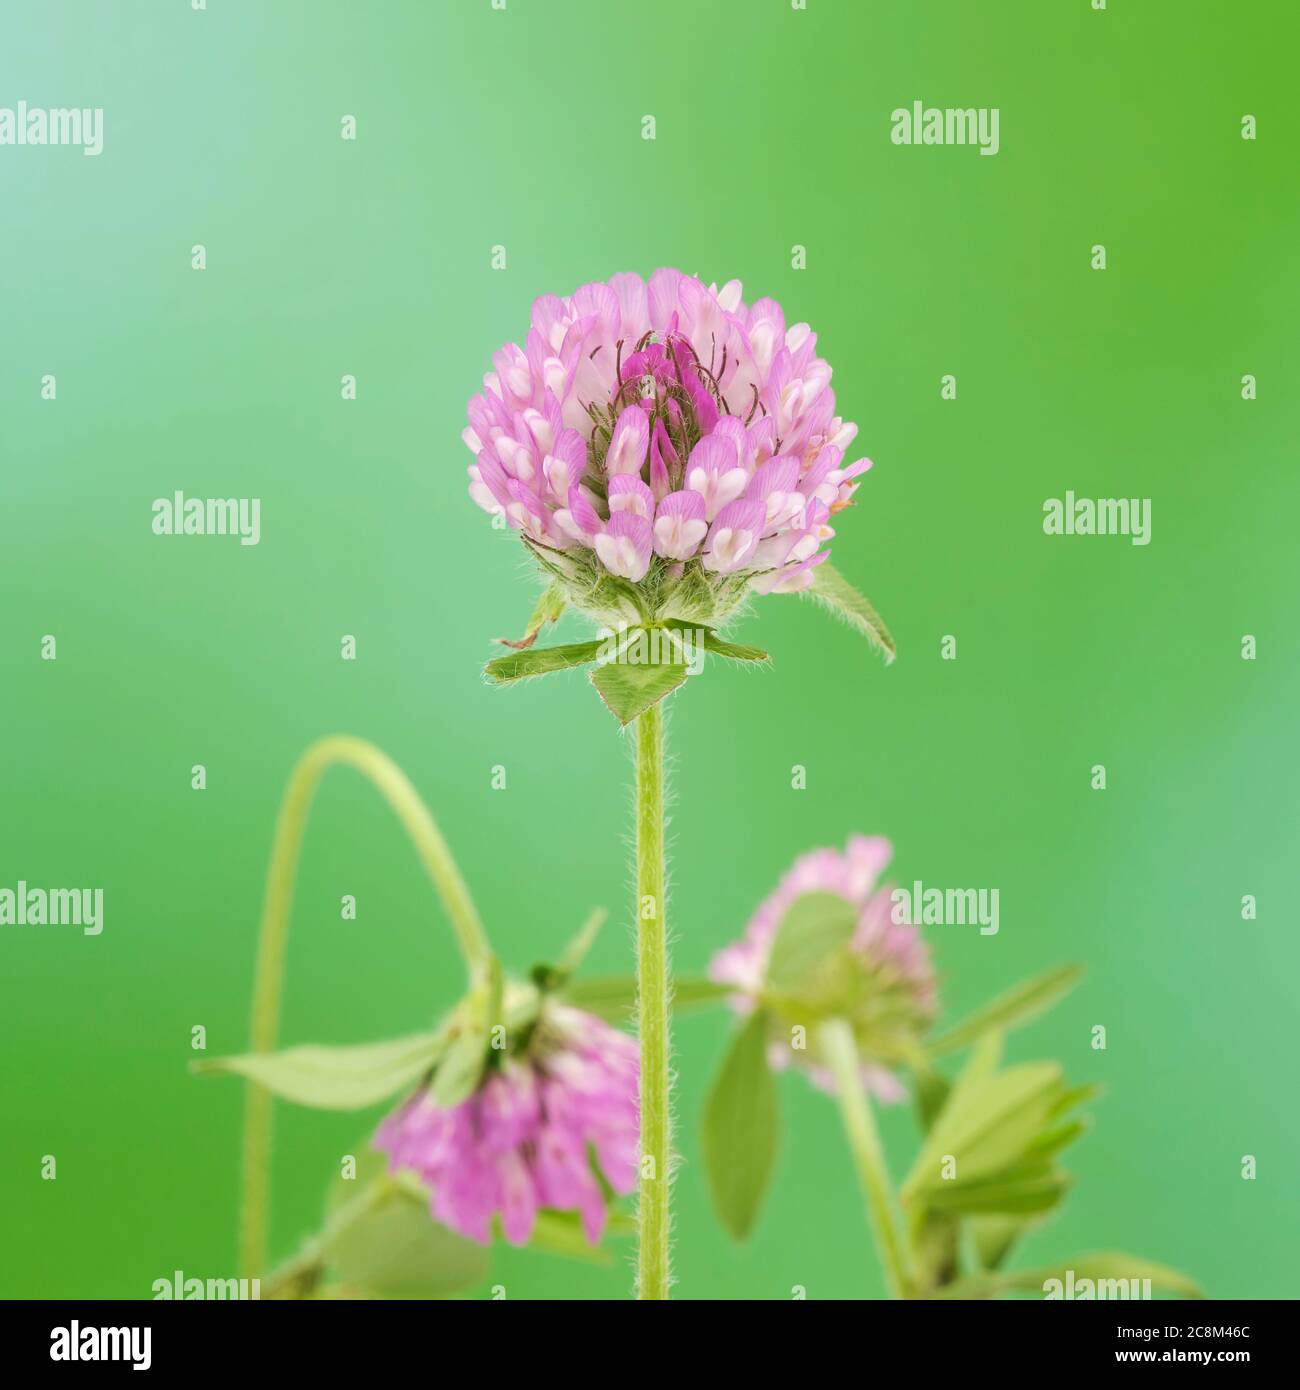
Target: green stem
{"type": "Point", "coordinates": [432, 848]}
{"type": "Point", "coordinates": [652, 1002]}
{"type": "Point", "coordinates": [841, 1055]}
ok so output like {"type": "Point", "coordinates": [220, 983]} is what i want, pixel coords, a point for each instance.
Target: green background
{"type": "Point", "coordinates": [523, 128]}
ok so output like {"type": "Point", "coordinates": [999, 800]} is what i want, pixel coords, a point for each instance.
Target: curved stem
{"type": "Point", "coordinates": [436, 857]}
{"type": "Point", "coordinates": [841, 1056]}
{"type": "Point", "coordinates": [652, 1004]}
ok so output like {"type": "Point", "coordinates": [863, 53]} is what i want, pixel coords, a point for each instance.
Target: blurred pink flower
{"type": "Point", "coordinates": [646, 425]}
{"type": "Point", "coordinates": [888, 958]}
{"type": "Point", "coordinates": [533, 1135]}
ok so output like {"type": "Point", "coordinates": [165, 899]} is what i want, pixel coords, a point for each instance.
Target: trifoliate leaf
{"type": "Point", "coordinates": [985, 1126]}
{"type": "Point", "coordinates": [1018, 1005]}
{"type": "Point", "coordinates": [834, 592]}
{"type": "Point", "coordinates": [540, 661]}
{"type": "Point", "coordinates": [629, 690]}
{"type": "Point", "coordinates": [337, 1078]}
{"type": "Point", "coordinates": [740, 1128]}
{"type": "Point", "coordinates": [992, 1147]}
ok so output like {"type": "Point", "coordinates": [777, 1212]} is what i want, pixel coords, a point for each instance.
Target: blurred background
{"type": "Point", "coordinates": [521, 127]}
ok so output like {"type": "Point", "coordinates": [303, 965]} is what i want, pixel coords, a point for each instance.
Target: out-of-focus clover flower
{"type": "Point", "coordinates": [663, 434]}
{"type": "Point", "coordinates": [880, 978]}
{"type": "Point", "coordinates": [541, 1130]}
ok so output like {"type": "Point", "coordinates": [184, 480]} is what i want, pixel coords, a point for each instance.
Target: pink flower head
{"type": "Point", "coordinates": [888, 975]}
{"type": "Point", "coordinates": [630, 395]}
{"type": "Point", "coordinates": [538, 1132]}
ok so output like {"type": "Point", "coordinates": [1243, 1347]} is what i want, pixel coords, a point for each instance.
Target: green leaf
{"type": "Point", "coordinates": [994, 1237]}
{"type": "Point", "coordinates": [1116, 1264]}
{"type": "Point", "coordinates": [345, 1195]}
{"type": "Point", "coordinates": [396, 1250]}
{"type": "Point", "coordinates": [936, 1244]}
{"type": "Point", "coordinates": [814, 927]}
{"type": "Point", "coordinates": [692, 993]}
{"type": "Point", "coordinates": [740, 1128]}
{"type": "Point", "coordinates": [985, 1126]}
{"type": "Point", "coordinates": [733, 651]}
{"type": "Point", "coordinates": [712, 642]}
{"type": "Point", "coordinates": [540, 661]}
{"type": "Point", "coordinates": [629, 690]}
{"type": "Point", "coordinates": [336, 1078]}
{"type": "Point", "coordinates": [613, 997]}
{"type": "Point", "coordinates": [461, 1068]}
{"type": "Point", "coordinates": [1018, 1005]}
{"type": "Point", "coordinates": [834, 592]}
{"type": "Point", "coordinates": [553, 977]}
{"type": "Point", "coordinates": [1111, 1264]}
{"type": "Point", "coordinates": [576, 951]}
{"type": "Point", "coordinates": [548, 610]}
{"type": "Point", "coordinates": [1074, 1096]}
{"type": "Point", "coordinates": [1024, 1190]}
{"type": "Point", "coordinates": [979, 1099]}
{"type": "Point", "coordinates": [1054, 1141]}
{"type": "Point", "coordinates": [992, 1147]}
{"type": "Point", "coordinates": [561, 1233]}
{"type": "Point", "coordinates": [931, 1094]}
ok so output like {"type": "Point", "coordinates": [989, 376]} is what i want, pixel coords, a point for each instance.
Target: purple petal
{"type": "Point", "coordinates": [627, 493]}
{"type": "Point", "coordinates": [631, 439]}
{"type": "Point", "coordinates": [625, 545]}
{"type": "Point", "coordinates": [680, 525]}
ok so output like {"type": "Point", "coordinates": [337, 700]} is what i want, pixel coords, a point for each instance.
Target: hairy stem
{"type": "Point", "coordinates": [451, 888]}
{"type": "Point", "coordinates": [841, 1055]}
{"type": "Point", "coordinates": [652, 1005]}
